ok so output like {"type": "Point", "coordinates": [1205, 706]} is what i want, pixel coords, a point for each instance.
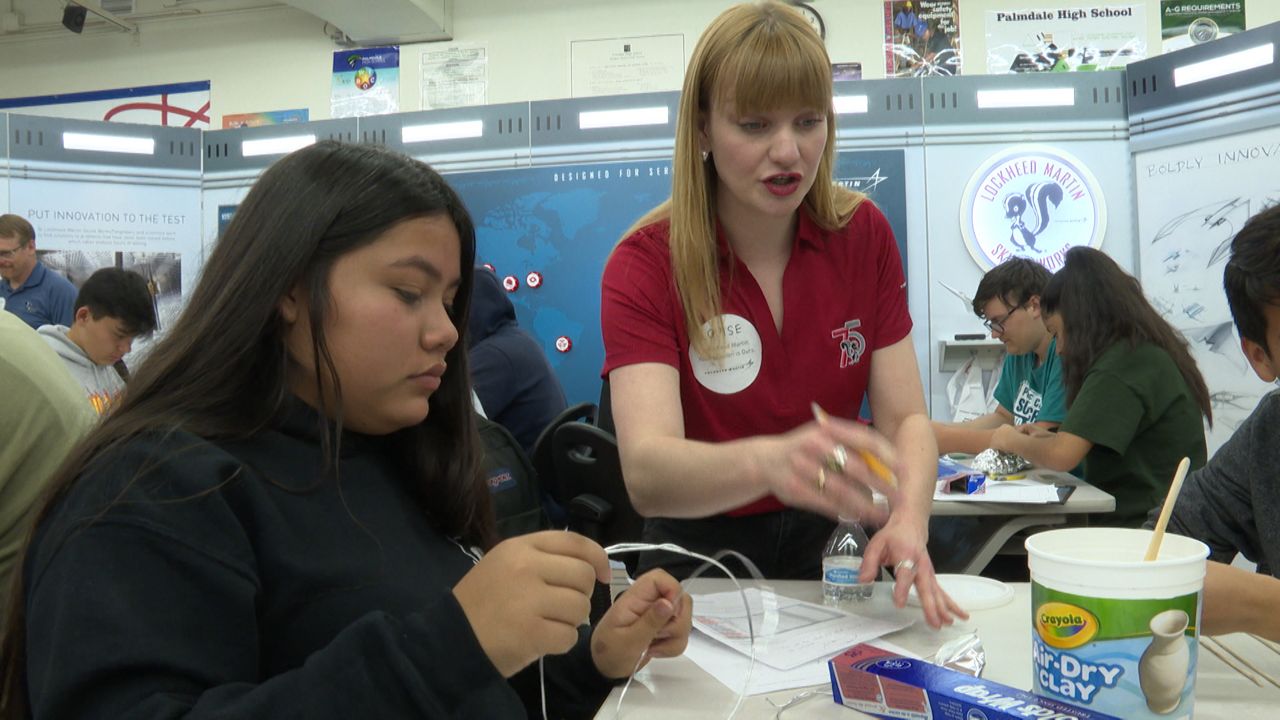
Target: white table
{"type": "Point", "coordinates": [1012, 518]}
{"type": "Point", "coordinates": [678, 689]}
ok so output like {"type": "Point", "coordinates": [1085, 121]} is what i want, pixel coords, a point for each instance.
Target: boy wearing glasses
{"type": "Point", "coordinates": [29, 289]}
{"type": "Point", "coordinates": [1030, 386]}
{"type": "Point", "coordinates": [1232, 504]}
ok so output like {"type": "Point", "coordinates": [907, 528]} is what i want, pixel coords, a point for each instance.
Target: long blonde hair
{"type": "Point", "coordinates": [764, 56]}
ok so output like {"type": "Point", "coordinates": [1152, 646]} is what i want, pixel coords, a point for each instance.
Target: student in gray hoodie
{"type": "Point", "coordinates": [1233, 502]}
{"type": "Point", "coordinates": [114, 307]}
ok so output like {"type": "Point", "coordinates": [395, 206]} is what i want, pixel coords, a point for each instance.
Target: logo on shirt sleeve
{"type": "Point", "coordinates": [852, 342]}
{"type": "Point", "coordinates": [742, 357]}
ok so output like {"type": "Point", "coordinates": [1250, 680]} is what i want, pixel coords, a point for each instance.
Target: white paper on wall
{"type": "Point", "coordinates": [1192, 200]}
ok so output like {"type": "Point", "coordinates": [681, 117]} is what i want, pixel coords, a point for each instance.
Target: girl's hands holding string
{"type": "Point", "coordinates": [528, 595]}
{"type": "Point", "coordinates": [653, 618]}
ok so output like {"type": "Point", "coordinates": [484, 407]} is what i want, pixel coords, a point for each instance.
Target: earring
{"type": "Point", "coordinates": [705, 154]}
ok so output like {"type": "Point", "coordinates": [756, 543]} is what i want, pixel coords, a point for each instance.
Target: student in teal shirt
{"type": "Point", "coordinates": [1030, 385]}
{"type": "Point", "coordinates": [1136, 400]}
{"type": "Point", "coordinates": [1029, 392]}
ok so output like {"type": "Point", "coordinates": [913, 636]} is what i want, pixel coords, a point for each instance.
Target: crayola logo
{"type": "Point", "coordinates": [1063, 625]}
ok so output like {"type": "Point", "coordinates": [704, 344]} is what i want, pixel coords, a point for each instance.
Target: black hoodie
{"type": "Point", "coordinates": [238, 579]}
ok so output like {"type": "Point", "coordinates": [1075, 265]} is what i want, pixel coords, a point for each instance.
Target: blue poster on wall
{"type": "Point", "coordinates": [547, 233]}
{"type": "Point", "coordinates": [879, 175]}
{"type": "Point", "coordinates": [556, 226]}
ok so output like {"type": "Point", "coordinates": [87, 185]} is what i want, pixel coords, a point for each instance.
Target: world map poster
{"type": "Point", "coordinates": [547, 232]}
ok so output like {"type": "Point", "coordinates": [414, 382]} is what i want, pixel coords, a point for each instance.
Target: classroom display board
{"type": "Point", "coordinates": [548, 231]}
{"type": "Point", "coordinates": [881, 176]}
{"type": "Point", "coordinates": [1192, 200]}
{"type": "Point", "coordinates": [83, 225]}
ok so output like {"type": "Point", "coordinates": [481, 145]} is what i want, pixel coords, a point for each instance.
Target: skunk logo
{"type": "Point", "coordinates": [1031, 201]}
{"type": "Point", "coordinates": [1037, 199]}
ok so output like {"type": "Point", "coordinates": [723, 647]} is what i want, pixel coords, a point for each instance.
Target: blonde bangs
{"type": "Point", "coordinates": [797, 73]}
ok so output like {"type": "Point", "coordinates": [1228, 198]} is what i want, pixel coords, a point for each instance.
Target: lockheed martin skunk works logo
{"type": "Point", "coordinates": [1031, 201]}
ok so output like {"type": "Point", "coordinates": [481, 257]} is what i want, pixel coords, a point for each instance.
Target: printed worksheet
{"type": "Point", "coordinates": [787, 632]}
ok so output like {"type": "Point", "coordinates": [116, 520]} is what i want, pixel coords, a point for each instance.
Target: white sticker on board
{"type": "Point", "coordinates": [741, 362]}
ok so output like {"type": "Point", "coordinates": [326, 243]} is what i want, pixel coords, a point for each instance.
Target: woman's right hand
{"type": "Point", "coordinates": [799, 474]}
{"type": "Point", "coordinates": [528, 595]}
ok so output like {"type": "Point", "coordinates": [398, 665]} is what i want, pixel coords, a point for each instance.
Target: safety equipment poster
{"type": "Point", "coordinates": [921, 37]}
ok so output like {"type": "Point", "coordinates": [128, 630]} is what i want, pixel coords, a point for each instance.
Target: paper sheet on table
{"type": "Point", "coordinates": [1010, 491]}
{"type": "Point", "coordinates": [788, 632]}
{"type": "Point", "coordinates": [729, 667]}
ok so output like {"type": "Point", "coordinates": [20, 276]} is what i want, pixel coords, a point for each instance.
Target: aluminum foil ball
{"type": "Point", "coordinates": [996, 462]}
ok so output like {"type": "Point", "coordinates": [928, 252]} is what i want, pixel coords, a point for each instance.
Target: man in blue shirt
{"type": "Point", "coordinates": [29, 290]}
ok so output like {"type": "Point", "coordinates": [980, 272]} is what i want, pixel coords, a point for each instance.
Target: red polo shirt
{"type": "Point", "coordinates": [843, 296]}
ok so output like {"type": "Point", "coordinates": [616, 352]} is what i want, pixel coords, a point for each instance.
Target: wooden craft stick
{"type": "Point", "coordinates": [1211, 646]}
{"type": "Point", "coordinates": [1153, 549]}
{"type": "Point", "coordinates": [1246, 663]}
{"type": "Point", "coordinates": [1275, 647]}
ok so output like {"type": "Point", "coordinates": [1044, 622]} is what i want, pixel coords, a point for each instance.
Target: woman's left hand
{"type": "Point", "coordinates": [652, 619]}
{"type": "Point", "coordinates": [901, 544]}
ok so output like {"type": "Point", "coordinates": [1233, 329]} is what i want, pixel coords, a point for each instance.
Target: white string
{"type": "Point", "coordinates": [751, 633]}
{"type": "Point", "coordinates": [797, 699]}
{"type": "Point", "coordinates": [768, 602]}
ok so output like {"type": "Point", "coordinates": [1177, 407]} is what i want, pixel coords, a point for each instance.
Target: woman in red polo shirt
{"type": "Point", "coordinates": [758, 289]}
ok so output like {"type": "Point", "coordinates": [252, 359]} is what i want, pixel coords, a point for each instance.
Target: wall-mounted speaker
{"type": "Point", "coordinates": [73, 18]}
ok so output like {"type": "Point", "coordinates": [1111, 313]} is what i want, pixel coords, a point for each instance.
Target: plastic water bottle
{"type": "Point", "coordinates": [841, 563]}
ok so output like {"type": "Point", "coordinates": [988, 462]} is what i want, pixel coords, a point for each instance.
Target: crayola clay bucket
{"type": "Point", "coordinates": [1111, 632]}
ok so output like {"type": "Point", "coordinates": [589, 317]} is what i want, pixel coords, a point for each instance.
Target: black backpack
{"type": "Point", "coordinates": [517, 496]}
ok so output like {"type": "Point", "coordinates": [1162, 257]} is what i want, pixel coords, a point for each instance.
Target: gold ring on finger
{"type": "Point", "coordinates": [837, 459]}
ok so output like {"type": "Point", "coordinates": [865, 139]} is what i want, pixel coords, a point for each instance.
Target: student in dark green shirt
{"type": "Point", "coordinates": [1134, 394]}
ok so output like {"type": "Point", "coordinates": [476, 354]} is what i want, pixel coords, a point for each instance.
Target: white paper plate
{"type": "Point", "coordinates": [972, 592]}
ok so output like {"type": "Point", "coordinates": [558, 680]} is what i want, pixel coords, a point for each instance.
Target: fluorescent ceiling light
{"type": "Point", "coordinates": [1224, 65]}
{"type": "Point", "coordinates": [109, 143]}
{"type": "Point", "coordinates": [846, 104]}
{"type": "Point", "coordinates": [1040, 97]}
{"type": "Point", "coordinates": [623, 118]}
{"type": "Point", "coordinates": [276, 145]}
{"type": "Point", "coordinates": [442, 131]}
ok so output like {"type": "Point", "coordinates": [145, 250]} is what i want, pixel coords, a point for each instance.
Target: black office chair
{"type": "Point", "coordinates": [588, 480]}
{"type": "Point", "coordinates": [604, 410]}
{"type": "Point", "coordinates": [542, 460]}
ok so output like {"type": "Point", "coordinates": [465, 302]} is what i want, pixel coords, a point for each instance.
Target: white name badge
{"type": "Point", "coordinates": [741, 362]}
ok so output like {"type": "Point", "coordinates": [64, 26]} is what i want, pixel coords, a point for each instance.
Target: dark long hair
{"type": "Point", "coordinates": [1100, 305]}
{"type": "Point", "coordinates": [221, 370]}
